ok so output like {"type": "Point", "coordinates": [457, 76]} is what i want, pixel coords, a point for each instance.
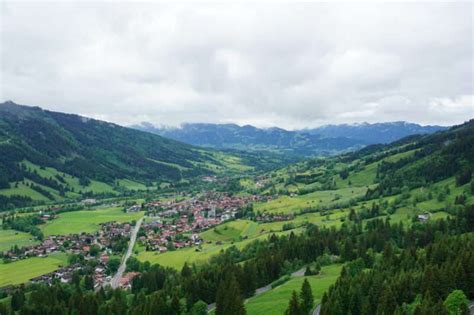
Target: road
{"type": "Point", "coordinates": [317, 310]}
{"type": "Point", "coordinates": [115, 282]}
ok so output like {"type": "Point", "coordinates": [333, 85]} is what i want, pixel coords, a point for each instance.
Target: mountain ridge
{"type": "Point", "coordinates": [325, 140]}
{"type": "Point", "coordinates": [51, 154]}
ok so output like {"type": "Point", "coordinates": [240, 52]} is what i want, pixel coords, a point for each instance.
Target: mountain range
{"type": "Point", "coordinates": [325, 140]}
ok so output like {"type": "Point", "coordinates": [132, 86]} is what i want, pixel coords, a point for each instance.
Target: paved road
{"type": "Point", "coordinates": [317, 310]}
{"type": "Point", "coordinates": [299, 273]}
{"type": "Point", "coordinates": [114, 283]}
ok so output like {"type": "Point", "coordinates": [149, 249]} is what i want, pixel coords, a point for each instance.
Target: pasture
{"type": "Point", "coordinates": [23, 270]}
{"type": "Point", "coordinates": [86, 220]}
{"type": "Point", "coordinates": [231, 231]}
{"type": "Point", "coordinates": [131, 185]}
{"type": "Point", "coordinates": [19, 188]}
{"type": "Point", "coordinates": [276, 300]}
{"type": "Point", "coordinates": [287, 204]}
{"type": "Point", "coordinates": [9, 238]}
{"type": "Point", "coordinates": [176, 259]}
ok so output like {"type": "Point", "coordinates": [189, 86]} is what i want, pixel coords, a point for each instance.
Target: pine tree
{"type": "Point", "coordinates": [228, 300]}
{"type": "Point", "coordinates": [306, 297]}
{"type": "Point", "coordinates": [249, 281]}
{"type": "Point", "coordinates": [186, 272]}
{"type": "Point", "coordinates": [88, 283]}
{"type": "Point", "coordinates": [175, 305]}
{"type": "Point", "coordinates": [18, 299]}
{"type": "Point", "coordinates": [294, 307]}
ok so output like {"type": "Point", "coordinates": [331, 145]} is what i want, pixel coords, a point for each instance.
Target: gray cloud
{"type": "Point", "coordinates": [292, 65]}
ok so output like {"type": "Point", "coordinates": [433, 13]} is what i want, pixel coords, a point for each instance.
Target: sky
{"type": "Point", "coordinates": [293, 65]}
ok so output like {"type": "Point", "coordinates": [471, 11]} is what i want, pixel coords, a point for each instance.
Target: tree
{"type": "Point", "coordinates": [306, 297]}
{"type": "Point", "coordinates": [88, 282]}
{"type": "Point", "coordinates": [199, 308]}
{"type": "Point", "coordinates": [249, 279]}
{"type": "Point", "coordinates": [186, 272]}
{"type": "Point", "coordinates": [463, 177]}
{"type": "Point", "coordinates": [175, 305]}
{"type": "Point", "coordinates": [228, 300]}
{"type": "Point", "coordinates": [454, 302]}
{"type": "Point", "coordinates": [113, 265]}
{"type": "Point", "coordinates": [3, 309]}
{"type": "Point", "coordinates": [294, 307]}
{"type": "Point", "coordinates": [18, 299]}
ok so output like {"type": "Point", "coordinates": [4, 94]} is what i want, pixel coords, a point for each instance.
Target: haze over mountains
{"type": "Point", "coordinates": [325, 140]}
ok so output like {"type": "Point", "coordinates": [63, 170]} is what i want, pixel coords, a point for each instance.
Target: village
{"type": "Point", "coordinates": [175, 224]}
{"type": "Point", "coordinates": [168, 225]}
{"type": "Point", "coordinates": [92, 249]}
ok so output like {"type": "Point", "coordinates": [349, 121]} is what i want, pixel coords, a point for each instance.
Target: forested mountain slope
{"type": "Point", "coordinates": [48, 155]}
{"type": "Point", "coordinates": [411, 162]}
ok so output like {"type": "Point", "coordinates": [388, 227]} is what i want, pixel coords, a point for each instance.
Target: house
{"type": "Point", "coordinates": [89, 202]}
{"type": "Point", "coordinates": [134, 208]}
{"type": "Point", "coordinates": [423, 217]}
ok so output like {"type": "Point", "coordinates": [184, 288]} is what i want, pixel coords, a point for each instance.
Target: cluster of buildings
{"type": "Point", "coordinates": [91, 246]}
{"type": "Point", "coordinates": [273, 217]}
{"type": "Point", "coordinates": [188, 217]}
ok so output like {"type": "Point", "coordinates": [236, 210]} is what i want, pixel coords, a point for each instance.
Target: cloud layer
{"type": "Point", "coordinates": [291, 65]}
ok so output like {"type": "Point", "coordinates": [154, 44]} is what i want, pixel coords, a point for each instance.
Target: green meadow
{"type": "Point", "coordinates": [276, 300]}
{"type": "Point", "coordinates": [177, 258]}
{"type": "Point", "coordinates": [23, 270]}
{"type": "Point", "coordinates": [72, 182]}
{"type": "Point", "coordinates": [131, 185]}
{"type": "Point", "coordinates": [9, 238]}
{"type": "Point", "coordinates": [232, 231]}
{"type": "Point", "coordinates": [287, 204]}
{"type": "Point", "coordinates": [86, 220]}
{"type": "Point", "coordinates": [23, 190]}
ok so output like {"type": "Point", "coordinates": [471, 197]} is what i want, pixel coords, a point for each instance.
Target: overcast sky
{"type": "Point", "coordinates": [289, 65]}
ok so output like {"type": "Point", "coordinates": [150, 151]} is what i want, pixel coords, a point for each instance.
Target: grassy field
{"type": "Point", "coordinates": [276, 300]}
{"type": "Point", "coordinates": [86, 221]}
{"type": "Point", "coordinates": [286, 204]}
{"type": "Point", "coordinates": [23, 190]}
{"type": "Point", "coordinates": [130, 184]}
{"type": "Point", "coordinates": [177, 258]}
{"type": "Point", "coordinates": [232, 231]}
{"type": "Point", "coordinates": [23, 270]}
{"type": "Point", "coordinates": [9, 238]}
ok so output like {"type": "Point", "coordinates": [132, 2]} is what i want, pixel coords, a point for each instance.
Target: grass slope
{"type": "Point", "coordinates": [86, 221]}
{"type": "Point", "coordinates": [9, 238]}
{"type": "Point", "coordinates": [177, 258]}
{"type": "Point", "coordinates": [232, 231]}
{"type": "Point", "coordinates": [276, 300]}
{"type": "Point", "coordinates": [23, 270]}
{"type": "Point", "coordinates": [287, 204]}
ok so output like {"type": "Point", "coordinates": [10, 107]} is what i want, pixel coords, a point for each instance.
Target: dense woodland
{"type": "Point", "coordinates": [390, 269]}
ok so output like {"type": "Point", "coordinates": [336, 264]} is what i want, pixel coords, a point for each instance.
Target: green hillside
{"type": "Point", "coordinates": [421, 166]}
{"type": "Point", "coordinates": [46, 156]}
{"type": "Point", "coordinates": [340, 191]}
